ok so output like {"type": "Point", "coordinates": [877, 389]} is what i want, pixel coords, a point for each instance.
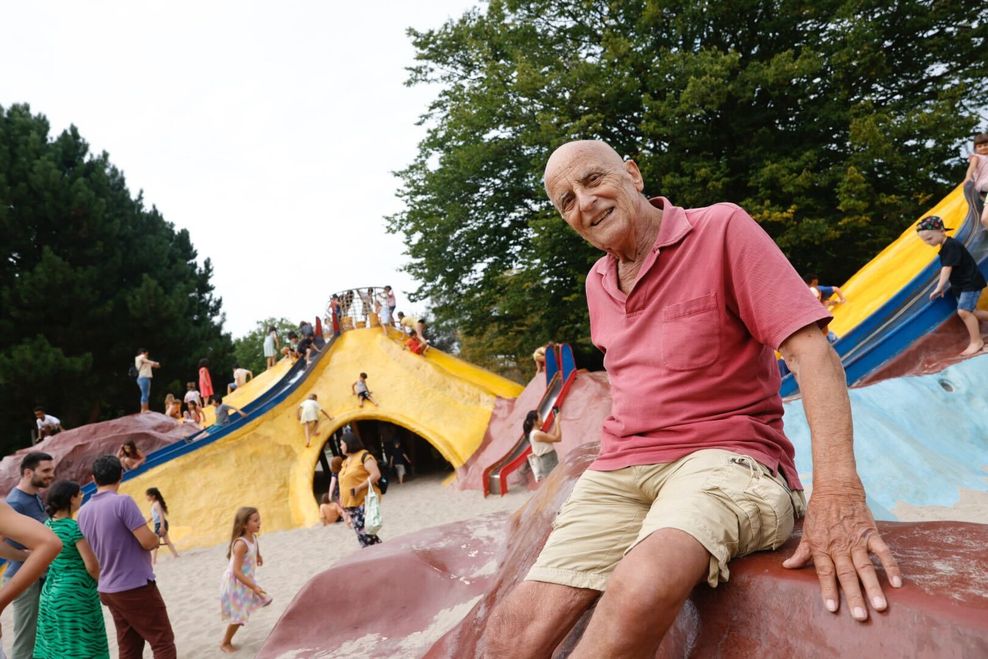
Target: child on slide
{"type": "Point", "coordinates": [360, 390]}
{"type": "Point", "coordinates": [308, 413]}
{"type": "Point", "coordinates": [958, 269]}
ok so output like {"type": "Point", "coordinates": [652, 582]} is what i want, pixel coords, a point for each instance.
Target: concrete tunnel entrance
{"type": "Point", "coordinates": [378, 437]}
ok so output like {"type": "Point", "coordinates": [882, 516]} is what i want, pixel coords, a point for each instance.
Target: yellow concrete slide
{"type": "Point", "coordinates": [265, 464]}
{"type": "Point", "coordinates": [254, 387]}
{"type": "Point", "coordinates": [894, 267]}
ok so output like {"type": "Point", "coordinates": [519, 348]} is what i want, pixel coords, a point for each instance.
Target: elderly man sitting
{"type": "Point", "coordinates": [688, 306]}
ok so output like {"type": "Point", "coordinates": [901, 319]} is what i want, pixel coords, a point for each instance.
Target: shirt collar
{"type": "Point", "coordinates": [675, 225]}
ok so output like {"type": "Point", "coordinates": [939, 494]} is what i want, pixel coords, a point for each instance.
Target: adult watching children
{"type": "Point", "coordinates": [37, 473]}
{"type": "Point", "coordinates": [122, 542]}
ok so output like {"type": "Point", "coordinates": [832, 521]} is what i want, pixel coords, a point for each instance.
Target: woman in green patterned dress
{"type": "Point", "coordinates": [70, 620]}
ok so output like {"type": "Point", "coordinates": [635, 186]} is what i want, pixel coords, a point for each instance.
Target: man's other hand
{"type": "Point", "coordinates": [839, 536]}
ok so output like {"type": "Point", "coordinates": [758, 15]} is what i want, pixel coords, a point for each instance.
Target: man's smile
{"type": "Point", "coordinates": [602, 217]}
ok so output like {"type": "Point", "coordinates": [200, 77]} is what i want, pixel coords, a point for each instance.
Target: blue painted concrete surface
{"type": "Point", "coordinates": [914, 441]}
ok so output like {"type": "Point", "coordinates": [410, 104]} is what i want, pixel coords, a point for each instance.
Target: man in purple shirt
{"type": "Point", "coordinates": [122, 542]}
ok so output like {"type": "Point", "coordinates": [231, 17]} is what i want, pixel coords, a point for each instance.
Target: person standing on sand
{"type": "Point", "coordinates": [37, 473]}
{"type": "Point", "coordinates": [70, 619]}
{"type": "Point", "coordinates": [122, 542]}
{"type": "Point", "coordinates": [159, 518]}
{"type": "Point", "coordinates": [240, 595]}
{"type": "Point", "coordinates": [358, 473]}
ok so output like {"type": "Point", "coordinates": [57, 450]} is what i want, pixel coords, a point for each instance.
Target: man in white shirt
{"type": "Point", "coordinates": [48, 425]}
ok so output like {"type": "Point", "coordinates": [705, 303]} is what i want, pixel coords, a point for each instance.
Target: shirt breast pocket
{"type": "Point", "coordinates": [691, 333]}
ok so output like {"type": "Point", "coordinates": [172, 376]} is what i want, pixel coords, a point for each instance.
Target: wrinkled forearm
{"type": "Point", "coordinates": [828, 412]}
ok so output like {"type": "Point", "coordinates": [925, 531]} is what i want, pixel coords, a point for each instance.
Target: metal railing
{"type": "Point", "coordinates": [355, 308]}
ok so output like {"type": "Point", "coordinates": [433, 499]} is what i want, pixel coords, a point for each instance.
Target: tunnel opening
{"type": "Point", "coordinates": [385, 440]}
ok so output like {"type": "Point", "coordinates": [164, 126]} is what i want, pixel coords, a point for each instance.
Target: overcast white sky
{"type": "Point", "coordinates": [268, 130]}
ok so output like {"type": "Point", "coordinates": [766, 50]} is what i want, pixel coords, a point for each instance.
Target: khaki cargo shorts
{"type": "Point", "coordinates": [728, 502]}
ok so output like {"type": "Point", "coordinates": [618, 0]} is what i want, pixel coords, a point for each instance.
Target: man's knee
{"type": "Point", "coordinates": [660, 571]}
{"type": "Point", "coordinates": [510, 614]}
{"type": "Point", "coordinates": [533, 618]}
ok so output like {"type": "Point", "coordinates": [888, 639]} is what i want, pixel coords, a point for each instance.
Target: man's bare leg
{"type": "Point", "coordinates": [644, 596]}
{"type": "Point", "coordinates": [534, 619]}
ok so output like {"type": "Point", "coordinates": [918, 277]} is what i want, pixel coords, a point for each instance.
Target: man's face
{"type": "Point", "coordinates": [595, 192]}
{"type": "Point", "coordinates": [42, 475]}
{"type": "Point", "coordinates": [39, 415]}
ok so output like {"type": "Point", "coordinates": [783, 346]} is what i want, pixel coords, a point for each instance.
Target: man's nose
{"type": "Point", "coordinates": [585, 199]}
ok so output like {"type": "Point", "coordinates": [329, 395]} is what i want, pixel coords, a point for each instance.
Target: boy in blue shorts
{"type": "Point", "coordinates": [959, 269]}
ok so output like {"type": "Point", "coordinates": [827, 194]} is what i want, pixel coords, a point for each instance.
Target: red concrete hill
{"type": "Point", "coordinates": [74, 450]}
{"type": "Point", "coordinates": [433, 592]}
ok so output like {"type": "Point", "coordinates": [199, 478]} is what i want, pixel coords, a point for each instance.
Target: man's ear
{"type": "Point", "coordinates": [631, 167]}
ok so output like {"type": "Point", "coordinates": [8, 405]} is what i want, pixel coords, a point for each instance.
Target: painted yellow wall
{"type": "Point", "coordinates": [265, 464]}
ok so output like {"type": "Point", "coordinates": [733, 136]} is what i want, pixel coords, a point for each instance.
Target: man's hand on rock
{"type": "Point", "coordinates": [839, 536]}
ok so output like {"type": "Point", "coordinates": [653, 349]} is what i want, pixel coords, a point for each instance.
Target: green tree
{"type": "Point", "coordinates": [88, 275]}
{"type": "Point", "coordinates": [833, 123]}
{"type": "Point", "coordinates": [248, 349]}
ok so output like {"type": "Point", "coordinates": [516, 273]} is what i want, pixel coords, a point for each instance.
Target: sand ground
{"type": "Point", "coordinates": [190, 584]}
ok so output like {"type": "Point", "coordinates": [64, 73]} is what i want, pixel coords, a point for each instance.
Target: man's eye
{"type": "Point", "coordinates": [593, 178]}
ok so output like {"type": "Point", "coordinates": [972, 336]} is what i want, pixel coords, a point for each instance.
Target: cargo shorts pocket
{"type": "Point", "coordinates": [691, 333]}
{"type": "Point", "coordinates": [760, 501]}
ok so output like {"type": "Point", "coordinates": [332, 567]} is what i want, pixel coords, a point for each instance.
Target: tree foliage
{"type": "Point", "coordinates": [88, 275]}
{"type": "Point", "coordinates": [834, 123]}
{"type": "Point", "coordinates": [248, 350]}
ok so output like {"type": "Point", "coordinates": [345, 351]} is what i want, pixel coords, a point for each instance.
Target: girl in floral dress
{"type": "Point", "coordinates": [239, 593]}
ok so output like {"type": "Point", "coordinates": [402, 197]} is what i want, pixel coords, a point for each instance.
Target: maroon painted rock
{"type": "Point", "coordinates": [766, 610]}
{"type": "Point", "coordinates": [74, 450]}
{"type": "Point", "coordinates": [451, 577]}
{"type": "Point", "coordinates": [393, 599]}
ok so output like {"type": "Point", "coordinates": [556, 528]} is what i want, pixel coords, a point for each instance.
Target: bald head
{"type": "Point", "coordinates": [599, 196]}
{"type": "Point", "coordinates": [577, 151]}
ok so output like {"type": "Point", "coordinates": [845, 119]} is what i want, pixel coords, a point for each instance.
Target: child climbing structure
{"type": "Point", "coordinates": [444, 400]}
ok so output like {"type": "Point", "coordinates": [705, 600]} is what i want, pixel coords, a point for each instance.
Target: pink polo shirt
{"type": "Point", "coordinates": [690, 350]}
